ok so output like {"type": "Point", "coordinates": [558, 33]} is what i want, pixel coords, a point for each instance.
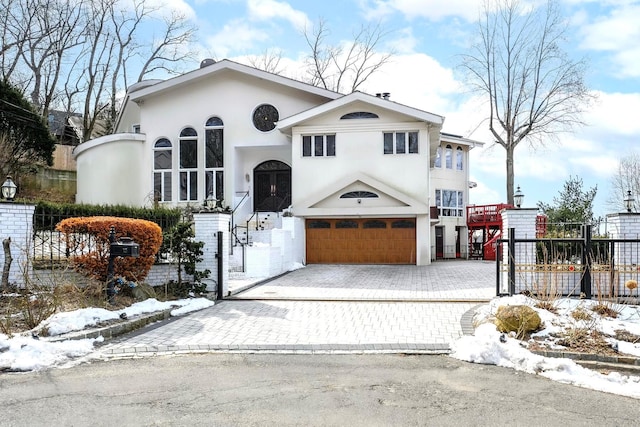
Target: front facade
{"type": "Point", "coordinates": [360, 170]}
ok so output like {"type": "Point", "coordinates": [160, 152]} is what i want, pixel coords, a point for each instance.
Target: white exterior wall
{"type": "Point", "coordinates": [451, 179]}
{"type": "Point", "coordinates": [361, 150]}
{"type": "Point", "coordinates": [232, 98]}
{"type": "Point", "coordinates": [16, 220]}
{"type": "Point", "coordinates": [111, 170]}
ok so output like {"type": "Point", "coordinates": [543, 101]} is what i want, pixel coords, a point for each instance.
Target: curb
{"type": "Point", "coordinates": [116, 329]}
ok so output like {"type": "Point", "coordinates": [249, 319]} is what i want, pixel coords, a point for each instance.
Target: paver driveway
{"type": "Point", "coordinates": [331, 308]}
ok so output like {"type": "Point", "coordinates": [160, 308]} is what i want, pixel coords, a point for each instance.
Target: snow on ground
{"type": "Point", "coordinates": [28, 352]}
{"type": "Point", "coordinates": [486, 345]}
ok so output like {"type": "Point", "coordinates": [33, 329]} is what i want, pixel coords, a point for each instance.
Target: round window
{"type": "Point", "coordinates": [265, 117]}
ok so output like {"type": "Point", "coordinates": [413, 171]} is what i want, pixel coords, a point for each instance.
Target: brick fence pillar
{"type": "Point", "coordinates": [524, 222]}
{"type": "Point", "coordinates": [16, 222]}
{"type": "Point", "coordinates": [206, 227]}
{"type": "Point", "coordinates": [626, 256]}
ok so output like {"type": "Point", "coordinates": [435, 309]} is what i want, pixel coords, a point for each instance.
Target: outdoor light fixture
{"type": "Point", "coordinates": [210, 201]}
{"type": "Point", "coordinates": [517, 197]}
{"type": "Point", "coordinates": [9, 189]}
{"type": "Point", "coordinates": [628, 202]}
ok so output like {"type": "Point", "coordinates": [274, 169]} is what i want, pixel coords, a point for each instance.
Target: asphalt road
{"type": "Point", "coordinates": [306, 390]}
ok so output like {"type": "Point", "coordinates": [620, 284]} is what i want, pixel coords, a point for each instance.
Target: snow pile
{"type": "Point", "coordinates": [488, 346]}
{"type": "Point", "coordinates": [77, 320]}
{"type": "Point", "coordinates": [28, 352]}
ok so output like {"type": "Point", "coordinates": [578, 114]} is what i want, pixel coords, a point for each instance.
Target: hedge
{"type": "Point", "coordinates": [93, 261]}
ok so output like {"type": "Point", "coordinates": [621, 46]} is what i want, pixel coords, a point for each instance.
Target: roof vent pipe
{"type": "Point", "coordinates": [378, 95]}
{"type": "Point", "coordinates": [207, 62]}
{"type": "Point", "coordinates": [386, 95]}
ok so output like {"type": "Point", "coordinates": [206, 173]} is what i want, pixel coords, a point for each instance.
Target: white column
{"type": "Point", "coordinates": [626, 257]}
{"type": "Point", "coordinates": [206, 227]}
{"type": "Point", "coordinates": [524, 223]}
{"type": "Point", "coordinates": [16, 222]}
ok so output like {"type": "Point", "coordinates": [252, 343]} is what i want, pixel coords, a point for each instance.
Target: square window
{"type": "Point", "coordinates": [388, 143]}
{"type": "Point", "coordinates": [318, 145]}
{"type": "Point", "coordinates": [331, 145]}
{"type": "Point", "coordinates": [400, 143]}
{"type": "Point", "coordinates": [306, 146]}
{"type": "Point", "coordinates": [413, 142]}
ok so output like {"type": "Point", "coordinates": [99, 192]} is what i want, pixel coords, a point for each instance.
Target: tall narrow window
{"type": "Point", "coordinates": [438, 161]}
{"type": "Point", "coordinates": [459, 154]}
{"type": "Point", "coordinates": [162, 151]}
{"type": "Point", "coordinates": [214, 159]}
{"type": "Point", "coordinates": [447, 157]}
{"type": "Point", "coordinates": [188, 164]}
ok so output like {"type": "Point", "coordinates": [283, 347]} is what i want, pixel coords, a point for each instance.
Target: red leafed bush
{"type": "Point", "coordinates": [87, 240]}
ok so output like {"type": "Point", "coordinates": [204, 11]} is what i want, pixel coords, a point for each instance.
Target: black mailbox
{"type": "Point", "coordinates": [125, 247]}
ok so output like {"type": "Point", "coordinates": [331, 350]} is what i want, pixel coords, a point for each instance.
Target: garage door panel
{"type": "Point", "coordinates": [374, 241]}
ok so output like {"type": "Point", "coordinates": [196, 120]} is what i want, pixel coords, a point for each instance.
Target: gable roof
{"type": "Point", "coordinates": [421, 115]}
{"type": "Point", "coordinates": [139, 93]}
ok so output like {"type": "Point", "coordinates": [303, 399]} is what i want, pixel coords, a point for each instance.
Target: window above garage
{"type": "Point", "coordinates": [400, 142]}
{"type": "Point", "coordinates": [319, 145]}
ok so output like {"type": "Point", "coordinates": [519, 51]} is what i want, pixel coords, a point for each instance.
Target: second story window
{"type": "Point", "coordinates": [459, 154]}
{"type": "Point", "coordinates": [318, 145]}
{"type": "Point", "coordinates": [400, 142]}
{"type": "Point", "coordinates": [450, 202]}
{"type": "Point", "coordinates": [448, 161]}
{"type": "Point", "coordinates": [188, 164]}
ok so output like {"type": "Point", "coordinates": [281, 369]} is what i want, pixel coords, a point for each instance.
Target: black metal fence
{"type": "Point", "coordinates": [581, 266]}
{"type": "Point", "coordinates": [49, 246]}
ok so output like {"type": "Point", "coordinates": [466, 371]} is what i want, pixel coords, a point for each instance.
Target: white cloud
{"type": "Point", "coordinates": [417, 80]}
{"type": "Point", "coordinates": [266, 10]}
{"type": "Point", "coordinates": [618, 33]}
{"type": "Point", "coordinates": [235, 36]}
{"type": "Point", "coordinates": [434, 10]}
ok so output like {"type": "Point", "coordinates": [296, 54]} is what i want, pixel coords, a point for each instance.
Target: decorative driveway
{"type": "Point", "coordinates": [331, 309]}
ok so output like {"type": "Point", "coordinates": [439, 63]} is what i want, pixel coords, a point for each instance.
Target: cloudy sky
{"type": "Point", "coordinates": [427, 37]}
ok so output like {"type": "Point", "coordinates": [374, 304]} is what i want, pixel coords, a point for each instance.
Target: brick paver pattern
{"type": "Point", "coordinates": [326, 308]}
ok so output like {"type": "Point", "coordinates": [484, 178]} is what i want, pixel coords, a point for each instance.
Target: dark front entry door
{"type": "Point", "coordinates": [271, 186]}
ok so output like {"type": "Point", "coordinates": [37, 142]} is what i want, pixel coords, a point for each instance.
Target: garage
{"type": "Point", "coordinates": [361, 241]}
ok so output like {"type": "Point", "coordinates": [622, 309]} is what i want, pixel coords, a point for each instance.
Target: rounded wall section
{"type": "Point", "coordinates": [111, 171]}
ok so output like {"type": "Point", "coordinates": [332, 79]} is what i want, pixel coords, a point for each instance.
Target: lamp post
{"type": "Point", "coordinates": [9, 189]}
{"type": "Point", "coordinates": [629, 201]}
{"type": "Point", "coordinates": [517, 197]}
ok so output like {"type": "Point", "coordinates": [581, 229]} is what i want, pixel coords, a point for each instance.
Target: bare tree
{"type": "Point", "coordinates": [55, 29]}
{"type": "Point", "coordinates": [626, 178]}
{"type": "Point", "coordinates": [171, 48]}
{"type": "Point", "coordinates": [533, 88]}
{"type": "Point", "coordinates": [344, 66]}
{"type": "Point", "coordinates": [269, 61]}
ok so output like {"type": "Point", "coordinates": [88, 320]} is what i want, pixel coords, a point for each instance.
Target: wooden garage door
{"type": "Point", "coordinates": [361, 241]}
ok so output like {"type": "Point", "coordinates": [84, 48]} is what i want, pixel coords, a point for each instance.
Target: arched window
{"type": "Point", "coordinates": [359, 115]}
{"type": "Point", "coordinates": [447, 157]}
{"type": "Point", "coordinates": [188, 164]}
{"type": "Point", "coordinates": [162, 159]}
{"type": "Point", "coordinates": [214, 159]}
{"type": "Point", "coordinates": [359, 195]}
{"type": "Point", "coordinates": [459, 158]}
{"type": "Point", "coordinates": [438, 161]}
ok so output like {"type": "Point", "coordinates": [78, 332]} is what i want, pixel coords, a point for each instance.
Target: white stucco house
{"type": "Point", "coordinates": [372, 180]}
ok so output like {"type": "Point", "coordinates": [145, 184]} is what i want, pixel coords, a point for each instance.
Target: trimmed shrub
{"type": "Point", "coordinates": [93, 261]}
